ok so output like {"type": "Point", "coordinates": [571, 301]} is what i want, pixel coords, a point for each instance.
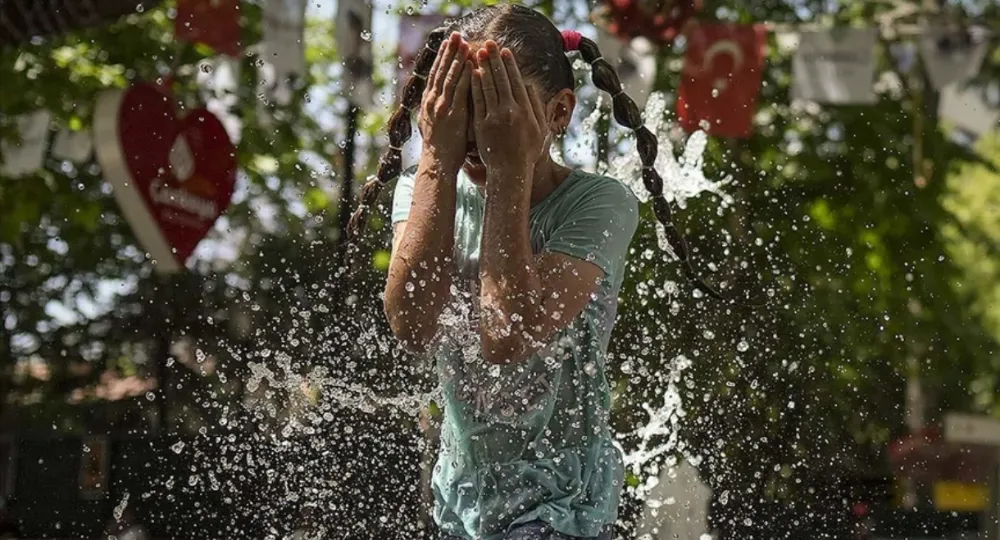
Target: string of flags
{"type": "Point", "coordinates": [214, 24]}
{"type": "Point", "coordinates": [720, 82]}
{"type": "Point", "coordinates": [723, 63]}
{"type": "Point", "coordinates": [173, 172]}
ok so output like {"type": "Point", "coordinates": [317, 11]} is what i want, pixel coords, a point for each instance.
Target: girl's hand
{"type": "Point", "coordinates": [510, 124]}
{"type": "Point", "coordinates": [444, 110]}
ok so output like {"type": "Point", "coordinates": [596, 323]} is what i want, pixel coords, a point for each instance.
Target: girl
{"type": "Point", "coordinates": [507, 266]}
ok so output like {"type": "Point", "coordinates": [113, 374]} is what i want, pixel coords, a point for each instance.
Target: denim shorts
{"type": "Point", "coordinates": [539, 530]}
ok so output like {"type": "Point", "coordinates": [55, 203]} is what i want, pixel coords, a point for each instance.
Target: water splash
{"type": "Point", "coordinates": [664, 420]}
{"type": "Point", "coordinates": [281, 439]}
{"type": "Point", "coordinates": [683, 177]}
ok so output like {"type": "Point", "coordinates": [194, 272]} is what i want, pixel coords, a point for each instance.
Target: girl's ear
{"type": "Point", "coordinates": [559, 110]}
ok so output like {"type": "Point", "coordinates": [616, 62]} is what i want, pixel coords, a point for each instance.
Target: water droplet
{"type": "Point", "coordinates": [410, 287]}
{"type": "Point", "coordinates": [150, 396]}
{"type": "Point", "coordinates": [742, 346]}
{"type": "Point", "coordinates": [366, 35]}
{"type": "Point", "coordinates": [177, 447]}
{"type": "Point", "coordinates": [590, 369]}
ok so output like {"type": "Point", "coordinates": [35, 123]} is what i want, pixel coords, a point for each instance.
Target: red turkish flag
{"type": "Point", "coordinates": [721, 78]}
{"type": "Point", "coordinates": [215, 23]}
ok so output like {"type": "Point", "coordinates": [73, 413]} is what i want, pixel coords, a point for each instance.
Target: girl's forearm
{"type": "Point", "coordinates": [420, 274]}
{"type": "Point", "coordinates": [511, 292]}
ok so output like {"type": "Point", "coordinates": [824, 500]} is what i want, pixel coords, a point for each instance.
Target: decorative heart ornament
{"type": "Point", "coordinates": [172, 177]}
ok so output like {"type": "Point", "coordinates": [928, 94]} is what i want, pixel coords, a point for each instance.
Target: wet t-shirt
{"type": "Point", "coordinates": [531, 441]}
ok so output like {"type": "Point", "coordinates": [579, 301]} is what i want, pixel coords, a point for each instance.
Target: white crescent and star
{"type": "Point", "coordinates": [729, 47]}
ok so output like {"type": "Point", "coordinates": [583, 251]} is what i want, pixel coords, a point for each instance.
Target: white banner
{"type": "Point", "coordinates": [634, 61]}
{"type": "Point", "coordinates": [284, 43]}
{"type": "Point", "coordinates": [73, 146]}
{"type": "Point", "coordinates": [951, 56]}
{"type": "Point", "coordinates": [27, 155]}
{"type": "Point", "coordinates": [967, 109]}
{"type": "Point", "coordinates": [835, 66]}
{"type": "Point", "coordinates": [219, 88]}
{"type": "Point", "coordinates": [354, 41]}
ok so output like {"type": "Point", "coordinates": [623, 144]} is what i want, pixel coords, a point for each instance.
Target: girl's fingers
{"type": "Point", "coordinates": [455, 72]}
{"type": "Point", "coordinates": [432, 74]}
{"type": "Point", "coordinates": [478, 95]}
{"type": "Point", "coordinates": [462, 87]}
{"type": "Point", "coordinates": [490, 97]}
{"type": "Point", "coordinates": [501, 81]}
{"type": "Point", "coordinates": [517, 87]}
{"type": "Point", "coordinates": [447, 55]}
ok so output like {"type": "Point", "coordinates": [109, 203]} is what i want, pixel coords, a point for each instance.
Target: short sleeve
{"type": "Point", "coordinates": [402, 196]}
{"type": "Point", "coordinates": [599, 226]}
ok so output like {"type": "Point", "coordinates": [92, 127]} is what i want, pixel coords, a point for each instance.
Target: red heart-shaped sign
{"type": "Point", "coordinates": [172, 177]}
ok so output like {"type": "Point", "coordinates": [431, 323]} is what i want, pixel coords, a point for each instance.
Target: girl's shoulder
{"type": "Point", "coordinates": [605, 189]}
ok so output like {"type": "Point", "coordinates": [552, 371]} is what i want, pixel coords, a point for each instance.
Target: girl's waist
{"type": "Point", "coordinates": [499, 447]}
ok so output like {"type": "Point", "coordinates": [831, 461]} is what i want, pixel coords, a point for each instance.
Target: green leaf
{"type": "Point", "coordinates": [381, 259]}
{"type": "Point", "coordinates": [316, 200]}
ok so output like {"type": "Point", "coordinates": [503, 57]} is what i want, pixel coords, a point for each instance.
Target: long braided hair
{"type": "Point", "coordinates": [541, 51]}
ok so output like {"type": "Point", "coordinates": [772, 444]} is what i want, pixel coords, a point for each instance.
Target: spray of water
{"type": "Point", "coordinates": [255, 459]}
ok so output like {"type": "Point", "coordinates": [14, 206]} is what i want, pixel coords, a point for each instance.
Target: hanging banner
{"type": "Point", "coordinates": [951, 56]}
{"type": "Point", "coordinates": [284, 33]}
{"type": "Point", "coordinates": [219, 91]}
{"type": "Point", "coordinates": [659, 22]}
{"type": "Point", "coordinates": [413, 31]}
{"type": "Point", "coordinates": [172, 177]}
{"type": "Point", "coordinates": [721, 79]}
{"type": "Point", "coordinates": [635, 62]}
{"type": "Point", "coordinates": [26, 155]}
{"type": "Point", "coordinates": [215, 23]}
{"type": "Point", "coordinates": [968, 109]}
{"type": "Point", "coordinates": [72, 146]}
{"type": "Point", "coordinates": [835, 66]}
{"type": "Point", "coordinates": [354, 41]}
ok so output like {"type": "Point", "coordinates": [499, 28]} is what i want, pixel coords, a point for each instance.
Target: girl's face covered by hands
{"type": "Point", "coordinates": [506, 125]}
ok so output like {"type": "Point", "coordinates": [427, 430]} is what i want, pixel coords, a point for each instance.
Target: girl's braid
{"type": "Point", "coordinates": [400, 130]}
{"type": "Point", "coordinates": [627, 113]}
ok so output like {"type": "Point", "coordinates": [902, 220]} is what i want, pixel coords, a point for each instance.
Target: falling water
{"type": "Point", "coordinates": [260, 445]}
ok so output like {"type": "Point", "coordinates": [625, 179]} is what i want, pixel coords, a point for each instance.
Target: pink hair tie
{"type": "Point", "coordinates": [571, 40]}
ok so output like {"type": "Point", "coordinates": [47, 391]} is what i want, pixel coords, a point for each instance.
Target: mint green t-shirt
{"type": "Point", "coordinates": [531, 441]}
